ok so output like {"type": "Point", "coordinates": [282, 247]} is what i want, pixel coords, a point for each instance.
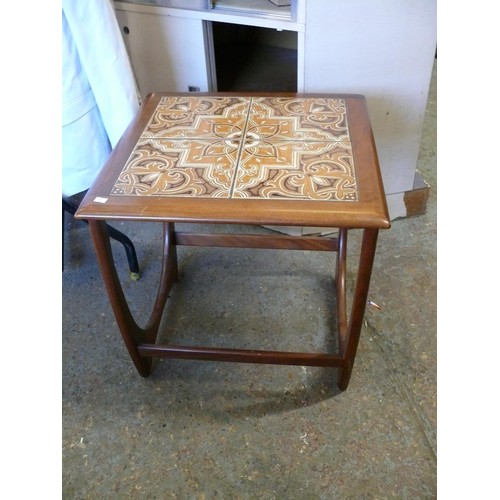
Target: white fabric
{"type": "Point", "coordinates": [99, 95]}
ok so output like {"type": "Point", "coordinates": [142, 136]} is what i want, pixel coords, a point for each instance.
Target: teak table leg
{"type": "Point", "coordinates": [340, 287]}
{"type": "Point", "coordinates": [131, 332]}
{"type": "Point", "coordinates": [140, 342]}
{"type": "Point", "coordinates": [349, 346]}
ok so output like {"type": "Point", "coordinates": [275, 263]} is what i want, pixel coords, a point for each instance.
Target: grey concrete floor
{"type": "Point", "coordinates": [202, 430]}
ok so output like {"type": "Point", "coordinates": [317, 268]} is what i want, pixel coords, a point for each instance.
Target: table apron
{"type": "Point", "coordinates": [263, 241]}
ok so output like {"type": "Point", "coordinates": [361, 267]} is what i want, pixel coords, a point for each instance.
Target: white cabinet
{"type": "Point", "coordinates": [167, 53]}
{"type": "Point", "coordinates": [385, 51]}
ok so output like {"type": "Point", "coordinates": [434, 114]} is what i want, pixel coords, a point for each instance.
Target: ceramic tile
{"type": "Point", "coordinates": [305, 119]}
{"type": "Point", "coordinates": [161, 167]}
{"type": "Point", "coordinates": [243, 147]}
{"type": "Point", "coordinates": [295, 170]}
{"type": "Point", "coordinates": [198, 117]}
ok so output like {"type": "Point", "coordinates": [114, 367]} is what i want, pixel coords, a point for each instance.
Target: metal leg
{"type": "Point", "coordinates": [63, 222]}
{"type": "Point", "coordinates": [133, 263]}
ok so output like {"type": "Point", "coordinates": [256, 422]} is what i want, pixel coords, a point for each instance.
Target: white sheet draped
{"type": "Point", "coordinates": [99, 94]}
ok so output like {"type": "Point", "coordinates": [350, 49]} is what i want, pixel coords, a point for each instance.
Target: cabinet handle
{"type": "Point", "coordinates": [126, 30]}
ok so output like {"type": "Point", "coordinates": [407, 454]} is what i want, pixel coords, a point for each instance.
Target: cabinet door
{"type": "Point", "coordinates": [167, 53]}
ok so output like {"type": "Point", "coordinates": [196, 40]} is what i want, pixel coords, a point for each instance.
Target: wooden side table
{"type": "Point", "coordinates": [246, 159]}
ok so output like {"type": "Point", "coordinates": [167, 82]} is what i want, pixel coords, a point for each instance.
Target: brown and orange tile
{"type": "Point", "coordinates": [305, 119]}
{"type": "Point", "coordinates": [198, 117]}
{"type": "Point", "coordinates": [296, 170]}
{"type": "Point", "coordinates": [161, 167]}
{"type": "Point", "coordinates": [243, 147]}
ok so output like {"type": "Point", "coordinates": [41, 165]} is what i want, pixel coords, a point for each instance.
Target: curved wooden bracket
{"type": "Point", "coordinates": [131, 332]}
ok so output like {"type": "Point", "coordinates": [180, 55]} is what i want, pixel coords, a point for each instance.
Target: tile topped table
{"type": "Point", "coordinates": [246, 159]}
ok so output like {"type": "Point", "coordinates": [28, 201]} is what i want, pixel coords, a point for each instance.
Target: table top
{"type": "Point", "coordinates": [273, 159]}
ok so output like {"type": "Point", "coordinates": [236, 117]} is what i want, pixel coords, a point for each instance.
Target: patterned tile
{"type": "Point", "coordinates": [296, 170]}
{"type": "Point", "coordinates": [162, 167]}
{"type": "Point", "coordinates": [197, 117]}
{"type": "Point", "coordinates": [243, 147]}
{"type": "Point", "coordinates": [313, 119]}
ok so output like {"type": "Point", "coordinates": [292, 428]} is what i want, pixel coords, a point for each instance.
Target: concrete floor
{"type": "Point", "coordinates": [203, 430]}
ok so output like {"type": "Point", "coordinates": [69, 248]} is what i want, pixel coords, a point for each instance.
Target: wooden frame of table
{"type": "Point", "coordinates": [336, 128]}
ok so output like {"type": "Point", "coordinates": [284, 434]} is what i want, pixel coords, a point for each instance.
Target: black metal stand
{"type": "Point", "coordinates": [70, 205]}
